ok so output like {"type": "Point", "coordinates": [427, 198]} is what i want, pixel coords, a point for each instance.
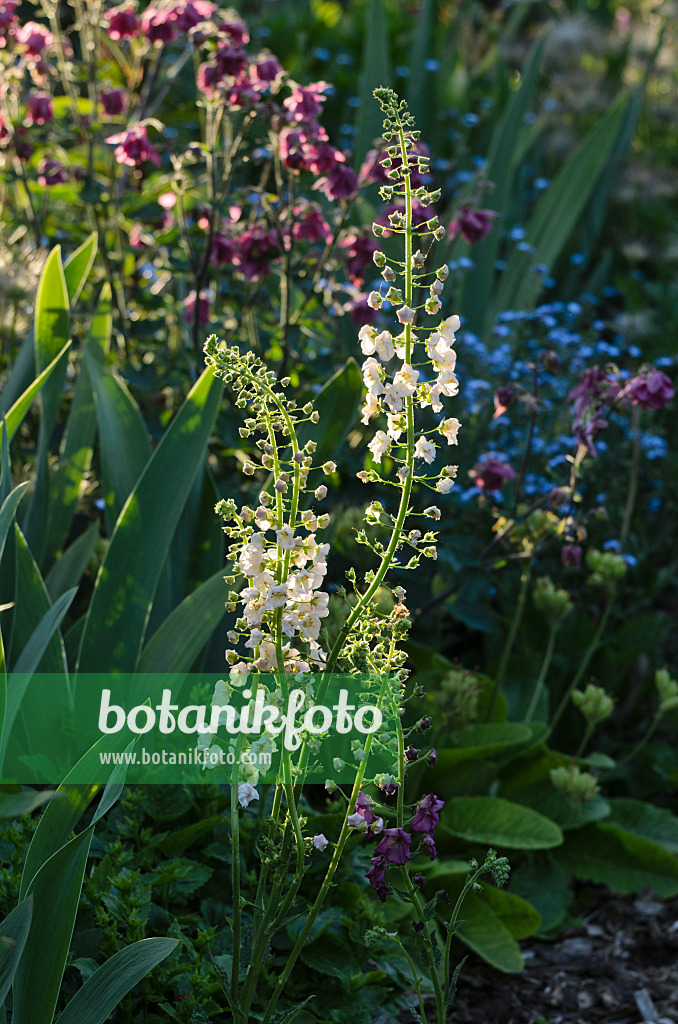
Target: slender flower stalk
{"type": "Point", "coordinates": [543, 672]}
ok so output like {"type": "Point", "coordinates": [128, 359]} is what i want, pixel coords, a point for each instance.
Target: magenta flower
{"type": "Point", "coordinates": [503, 397]}
{"type": "Point", "coordinates": [123, 23]}
{"type": "Point", "coordinates": [254, 249]}
{"type": "Point", "coordinates": [8, 21]}
{"type": "Point", "coordinates": [241, 94]}
{"type": "Point", "coordinates": [490, 473]}
{"type": "Point", "coordinates": [363, 807]}
{"type": "Point", "coordinates": [222, 249]}
{"type": "Point", "coordinates": [594, 390]}
{"type": "Point", "coordinates": [375, 877]}
{"type": "Point", "coordinates": [51, 172]}
{"type": "Point", "coordinates": [40, 108]}
{"type": "Point", "coordinates": [361, 312]}
{"type": "Point", "coordinates": [159, 26]}
{"type": "Point", "coordinates": [230, 60]}
{"type": "Point", "coordinates": [190, 14]}
{"type": "Point", "coordinates": [310, 225]}
{"type": "Point", "coordinates": [133, 147]}
{"type": "Point", "coordinates": [359, 247]}
{"type": "Point", "coordinates": [649, 390]}
{"type": "Point", "coordinates": [306, 102]}
{"type": "Point", "coordinates": [570, 556]}
{"type": "Point", "coordinates": [265, 72]}
{"type": "Point", "coordinates": [136, 237]}
{"type": "Point", "coordinates": [394, 846]}
{"type": "Point", "coordinates": [113, 101]}
{"type": "Point", "coordinates": [35, 38]}
{"type": "Point", "coordinates": [427, 814]}
{"type": "Point", "coordinates": [235, 29]}
{"type": "Point", "coordinates": [204, 306]}
{"type": "Point", "coordinates": [341, 183]}
{"type": "Point", "coordinates": [474, 225]}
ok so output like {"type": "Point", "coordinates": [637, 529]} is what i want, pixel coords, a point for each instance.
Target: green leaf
{"type": "Point", "coordinates": [545, 884]}
{"type": "Point", "coordinates": [123, 439]}
{"type": "Point", "coordinates": [56, 893]}
{"type": "Point", "coordinates": [7, 512]}
{"type": "Point", "coordinates": [101, 993]}
{"type": "Point", "coordinates": [13, 805]}
{"type": "Point", "coordinates": [374, 72]}
{"type": "Point", "coordinates": [13, 935]}
{"type": "Point", "coordinates": [646, 821]}
{"type": "Point", "coordinates": [615, 857]}
{"type": "Point", "coordinates": [175, 646]}
{"type": "Point", "coordinates": [516, 913]}
{"type": "Point", "coordinates": [67, 571]}
{"type": "Point", "coordinates": [78, 266]}
{"type": "Point", "coordinates": [557, 213]}
{"type": "Point", "coordinates": [14, 418]}
{"type": "Point", "coordinates": [134, 561]}
{"type": "Point", "coordinates": [176, 842]}
{"type": "Point", "coordinates": [486, 934]}
{"type": "Point", "coordinates": [32, 604]}
{"type": "Point", "coordinates": [496, 822]}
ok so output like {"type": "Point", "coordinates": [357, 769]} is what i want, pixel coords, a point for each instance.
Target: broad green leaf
{"type": "Point", "coordinates": [615, 857]}
{"type": "Point", "coordinates": [543, 882]}
{"type": "Point", "coordinates": [487, 935]}
{"type": "Point", "coordinates": [197, 549]}
{"type": "Point", "coordinates": [51, 334]}
{"type": "Point", "coordinates": [124, 444]}
{"type": "Point", "coordinates": [496, 822]}
{"type": "Point", "coordinates": [375, 71]}
{"type": "Point", "coordinates": [421, 82]}
{"type": "Point", "coordinates": [176, 842]}
{"type": "Point", "coordinates": [68, 570]}
{"type": "Point", "coordinates": [78, 266]}
{"type": "Point", "coordinates": [76, 450]}
{"type": "Point", "coordinates": [337, 403]}
{"type": "Point", "coordinates": [8, 511]}
{"type": "Point", "coordinates": [32, 604]}
{"type": "Point", "coordinates": [20, 376]}
{"type": "Point", "coordinates": [184, 633]}
{"type": "Point", "coordinates": [557, 213]}
{"type": "Point", "coordinates": [134, 561]}
{"type": "Point", "coordinates": [502, 163]}
{"type": "Point", "coordinates": [14, 417]}
{"type": "Point", "coordinates": [646, 821]}
{"type": "Point", "coordinates": [13, 935]}
{"type": "Point", "coordinates": [101, 993]}
{"type": "Point", "coordinates": [56, 893]}
{"type": "Point", "coordinates": [516, 914]}
{"type": "Point", "coordinates": [13, 805]}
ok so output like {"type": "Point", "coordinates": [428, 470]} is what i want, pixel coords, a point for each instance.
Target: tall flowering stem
{"type": "Point", "coordinates": [281, 602]}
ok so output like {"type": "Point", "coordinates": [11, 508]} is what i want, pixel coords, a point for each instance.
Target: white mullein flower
{"type": "Point", "coordinates": [425, 450]}
{"type": "Point", "coordinates": [449, 327]}
{"type": "Point", "coordinates": [285, 537]}
{"type": "Point", "coordinates": [404, 382]}
{"type": "Point", "coordinates": [397, 424]}
{"type": "Point", "coordinates": [405, 314]}
{"type": "Point", "coordinates": [246, 794]}
{"type": "Point", "coordinates": [445, 485]}
{"type": "Point", "coordinates": [383, 344]}
{"type": "Point", "coordinates": [374, 300]}
{"type": "Point", "coordinates": [371, 406]}
{"type": "Point", "coordinates": [320, 842]}
{"type": "Point", "coordinates": [379, 445]}
{"type": "Point", "coordinates": [449, 429]}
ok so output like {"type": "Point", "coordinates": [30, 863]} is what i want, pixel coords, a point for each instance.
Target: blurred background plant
{"type": "Point", "coordinates": [235, 196]}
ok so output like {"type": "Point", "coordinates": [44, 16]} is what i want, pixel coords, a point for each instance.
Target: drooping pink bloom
{"type": "Point", "coordinates": [190, 14]}
{"type": "Point", "coordinates": [359, 247]}
{"type": "Point", "coordinates": [341, 182]}
{"type": "Point", "coordinates": [8, 21]}
{"type": "Point", "coordinates": [394, 846]}
{"type": "Point", "coordinates": [113, 101]}
{"type": "Point", "coordinates": [650, 390]}
{"type": "Point", "coordinates": [133, 147]}
{"type": "Point", "coordinates": [34, 38]}
{"type": "Point", "coordinates": [123, 22]}
{"type": "Point", "coordinates": [310, 225]}
{"type": "Point", "coordinates": [51, 172]}
{"type": "Point", "coordinates": [363, 807]}
{"type": "Point", "coordinates": [230, 60]}
{"type": "Point", "coordinates": [594, 391]}
{"type": "Point", "coordinates": [159, 26]}
{"type": "Point", "coordinates": [265, 71]}
{"type": "Point", "coordinates": [570, 555]}
{"type": "Point", "coordinates": [474, 225]}
{"type": "Point", "coordinates": [254, 250]}
{"type": "Point", "coordinates": [427, 815]}
{"type": "Point", "coordinates": [241, 94]}
{"type": "Point", "coordinates": [204, 306]}
{"type": "Point", "coordinates": [39, 108]}
{"type": "Point", "coordinates": [490, 473]}
{"type": "Point", "coordinates": [222, 249]}
{"type": "Point", "coordinates": [306, 102]}
{"type": "Point", "coordinates": [503, 398]}
{"type": "Point", "coordinates": [235, 29]}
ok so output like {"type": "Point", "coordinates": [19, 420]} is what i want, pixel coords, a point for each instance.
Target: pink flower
{"type": "Point", "coordinates": [254, 249]}
{"type": "Point", "coordinates": [490, 473]}
{"type": "Point", "coordinates": [235, 29]}
{"type": "Point", "coordinates": [241, 94]}
{"type": "Point", "coordinates": [222, 249]}
{"type": "Point", "coordinates": [51, 172]}
{"type": "Point", "coordinates": [310, 225]}
{"type": "Point", "coordinates": [361, 312]}
{"type": "Point", "coordinates": [649, 390]}
{"type": "Point", "coordinates": [190, 14]}
{"type": "Point", "coordinates": [341, 183]}
{"type": "Point", "coordinates": [40, 108]}
{"type": "Point", "coordinates": [8, 21]}
{"type": "Point", "coordinates": [34, 38]}
{"type": "Point", "coordinates": [265, 71]}
{"type": "Point", "coordinates": [159, 26]}
{"type": "Point", "coordinates": [231, 60]}
{"type": "Point", "coordinates": [204, 306]}
{"type": "Point", "coordinates": [394, 846]}
{"type": "Point", "coordinates": [306, 101]}
{"type": "Point", "coordinates": [359, 248]}
{"type": "Point", "coordinates": [594, 390]}
{"type": "Point", "coordinates": [114, 101]}
{"type": "Point", "coordinates": [123, 23]}
{"type": "Point", "coordinates": [473, 224]}
{"type": "Point", "coordinates": [427, 815]}
{"type": "Point", "coordinates": [133, 147]}
{"type": "Point", "coordinates": [136, 237]}
{"type": "Point", "coordinates": [570, 556]}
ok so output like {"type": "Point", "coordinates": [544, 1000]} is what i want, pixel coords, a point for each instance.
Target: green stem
{"type": "Point", "coordinates": [510, 639]}
{"type": "Point", "coordinates": [588, 733]}
{"type": "Point", "coordinates": [590, 651]}
{"type": "Point", "coordinates": [649, 732]}
{"type": "Point", "coordinates": [235, 876]}
{"type": "Point", "coordinates": [545, 665]}
{"type": "Point", "coordinates": [633, 481]}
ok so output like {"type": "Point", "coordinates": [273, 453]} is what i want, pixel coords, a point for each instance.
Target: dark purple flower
{"type": "Point", "coordinates": [123, 23]}
{"type": "Point", "coordinates": [432, 756]}
{"type": "Point", "coordinates": [8, 21]}
{"type": "Point", "coordinates": [419, 880]}
{"type": "Point", "coordinates": [203, 308]}
{"type": "Point", "coordinates": [35, 38]}
{"type": "Point", "coordinates": [428, 844]}
{"type": "Point", "coordinates": [417, 926]}
{"type": "Point", "coordinates": [375, 877]}
{"type": "Point", "coordinates": [570, 556]}
{"type": "Point", "coordinates": [255, 247]}
{"type": "Point", "coordinates": [394, 845]}
{"type": "Point", "coordinates": [133, 147]}
{"type": "Point", "coordinates": [490, 473]}
{"type": "Point", "coordinates": [159, 26]}
{"type": "Point", "coordinates": [341, 182]}
{"type": "Point", "coordinates": [114, 101]}
{"type": "Point", "coordinates": [359, 247]}
{"type": "Point", "coordinates": [310, 225]}
{"type": "Point", "coordinates": [594, 390]}
{"type": "Point", "coordinates": [265, 71]}
{"type": "Point", "coordinates": [235, 29]}
{"type": "Point", "coordinates": [363, 807]}
{"type": "Point", "coordinates": [503, 397]}
{"type": "Point", "coordinates": [473, 224]}
{"type": "Point", "coordinates": [222, 249]}
{"type": "Point", "coordinates": [40, 108]}
{"type": "Point", "coordinates": [427, 814]}
{"type": "Point", "coordinates": [360, 312]}
{"type": "Point", "coordinates": [411, 754]}
{"type": "Point", "coordinates": [190, 14]}
{"type": "Point", "coordinates": [425, 724]}
{"type": "Point", "coordinates": [306, 101]}
{"type": "Point", "coordinates": [51, 172]}
{"type": "Point", "coordinates": [649, 390]}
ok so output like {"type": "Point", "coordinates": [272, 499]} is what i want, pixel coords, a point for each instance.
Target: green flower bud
{"type": "Point", "coordinates": [607, 569]}
{"type": "Point", "coordinates": [554, 604]}
{"type": "Point", "coordinates": [667, 688]}
{"type": "Point", "coordinates": [580, 786]}
{"type": "Point", "coordinates": [594, 703]}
